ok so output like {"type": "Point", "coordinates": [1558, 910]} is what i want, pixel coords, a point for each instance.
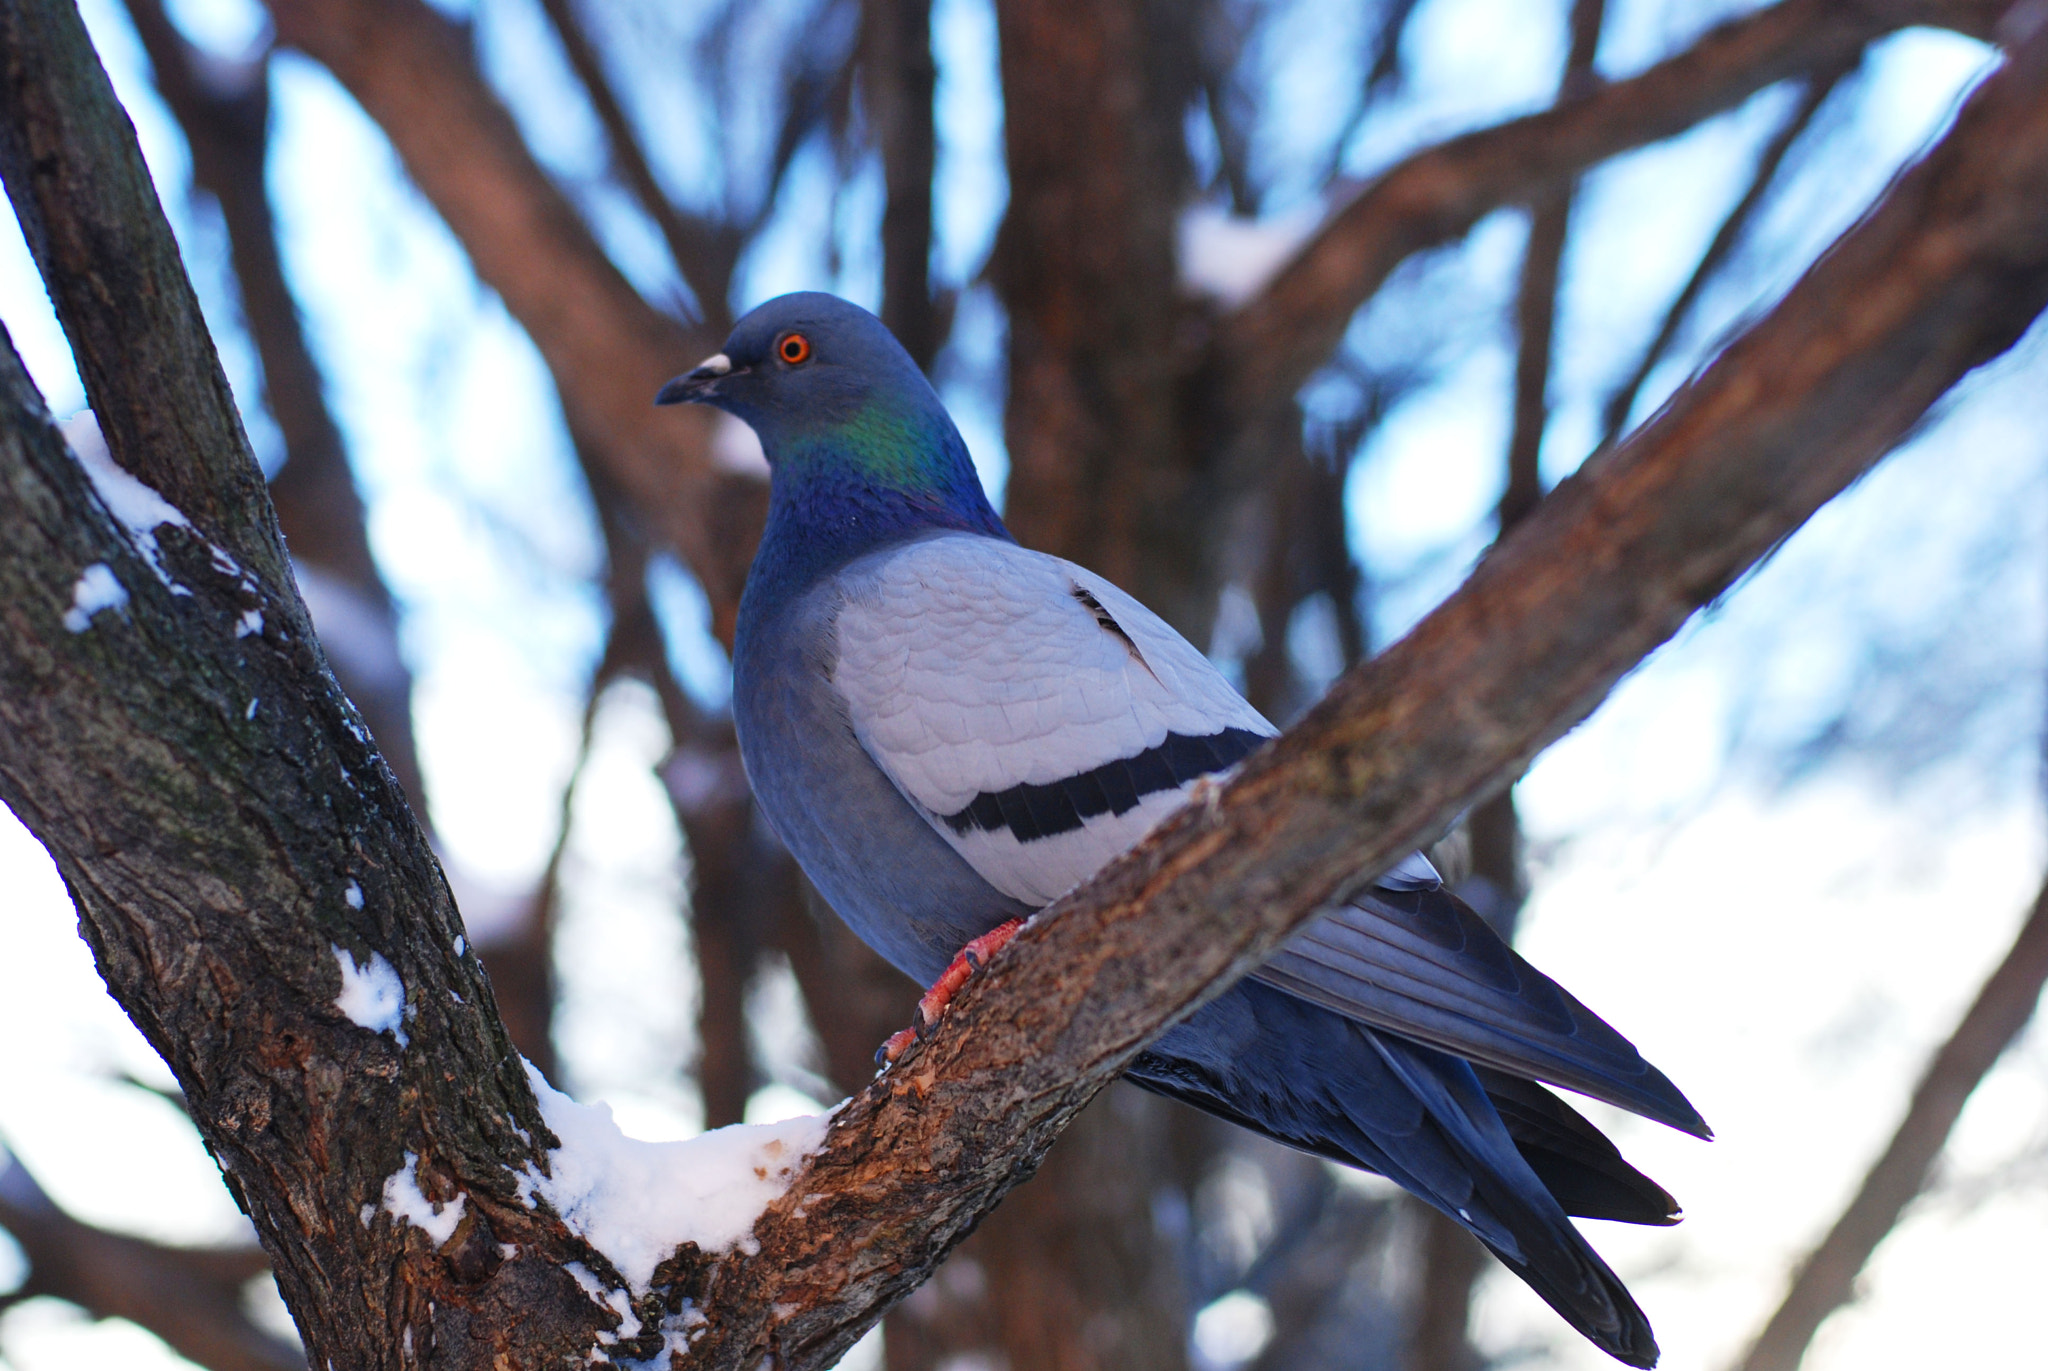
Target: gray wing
{"type": "Point", "coordinates": [1419, 962]}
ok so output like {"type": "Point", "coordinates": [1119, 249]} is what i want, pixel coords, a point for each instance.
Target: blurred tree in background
{"type": "Point", "coordinates": [1230, 316]}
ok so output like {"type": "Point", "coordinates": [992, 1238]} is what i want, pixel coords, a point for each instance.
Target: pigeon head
{"type": "Point", "coordinates": [861, 451]}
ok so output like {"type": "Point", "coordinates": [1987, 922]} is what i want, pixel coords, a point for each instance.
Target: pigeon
{"type": "Point", "coordinates": [949, 731]}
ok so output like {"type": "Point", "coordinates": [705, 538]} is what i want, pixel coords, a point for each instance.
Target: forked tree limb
{"type": "Point", "coordinates": [119, 286]}
{"type": "Point", "coordinates": [224, 829]}
{"type": "Point", "coordinates": [1264, 352]}
{"type": "Point", "coordinates": [216, 810]}
{"type": "Point", "coordinates": [1826, 1279]}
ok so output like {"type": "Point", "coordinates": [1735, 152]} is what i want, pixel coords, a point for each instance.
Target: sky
{"type": "Point", "coordinates": [1787, 944]}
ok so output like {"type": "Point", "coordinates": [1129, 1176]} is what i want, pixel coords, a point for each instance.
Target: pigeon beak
{"type": "Point", "coordinates": [695, 387]}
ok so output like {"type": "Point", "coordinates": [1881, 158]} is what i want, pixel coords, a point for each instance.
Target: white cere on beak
{"type": "Point", "coordinates": [717, 365]}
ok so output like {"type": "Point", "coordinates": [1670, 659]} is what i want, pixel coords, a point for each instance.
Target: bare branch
{"type": "Point", "coordinates": [114, 274]}
{"type": "Point", "coordinates": [1819, 86]}
{"type": "Point", "coordinates": [191, 1297]}
{"type": "Point", "coordinates": [229, 834]}
{"type": "Point", "coordinates": [1826, 1279]}
{"type": "Point", "coordinates": [1270, 346]}
{"type": "Point", "coordinates": [703, 252]}
{"type": "Point", "coordinates": [224, 110]}
{"type": "Point", "coordinates": [608, 349]}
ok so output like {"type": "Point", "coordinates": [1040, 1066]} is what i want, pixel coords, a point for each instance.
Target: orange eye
{"type": "Point", "coordinates": [794, 349]}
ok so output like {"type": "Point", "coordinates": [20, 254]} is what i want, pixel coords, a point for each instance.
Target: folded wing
{"type": "Point", "coordinates": [1420, 963]}
{"type": "Point", "coordinates": [1042, 721]}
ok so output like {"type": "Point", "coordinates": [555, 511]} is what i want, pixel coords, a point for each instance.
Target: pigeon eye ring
{"type": "Point", "coordinates": [793, 348]}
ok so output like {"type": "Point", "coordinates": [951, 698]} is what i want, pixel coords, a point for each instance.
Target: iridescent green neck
{"type": "Point", "coordinates": [883, 474]}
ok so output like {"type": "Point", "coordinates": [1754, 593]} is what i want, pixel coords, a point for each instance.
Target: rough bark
{"type": "Point", "coordinates": [119, 287]}
{"type": "Point", "coordinates": [1070, 1272]}
{"type": "Point", "coordinates": [211, 852]}
{"type": "Point", "coordinates": [223, 108]}
{"type": "Point", "coordinates": [212, 802]}
{"type": "Point", "coordinates": [1826, 1280]}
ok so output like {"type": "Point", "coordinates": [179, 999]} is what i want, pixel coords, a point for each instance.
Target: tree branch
{"type": "Point", "coordinates": [220, 859]}
{"type": "Point", "coordinates": [1826, 1279]}
{"type": "Point", "coordinates": [1271, 345]}
{"type": "Point", "coordinates": [191, 1297]}
{"type": "Point", "coordinates": [608, 350]}
{"type": "Point", "coordinates": [224, 110]}
{"type": "Point", "coordinates": [114, 274]}
{"type": "Point", "coordinates": [230, 836]}
{"type": "Point", "coordinates": [1819, 86]}
{"type": "Point", "coordinates": [703, 253]}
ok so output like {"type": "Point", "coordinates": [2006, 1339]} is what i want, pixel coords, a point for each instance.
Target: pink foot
{"type": "Point", "coordinates": [932, 1007]}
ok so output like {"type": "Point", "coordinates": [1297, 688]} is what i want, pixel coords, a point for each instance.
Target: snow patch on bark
{"type": "Point", "coordinates": [637, 1201]}
{"type": "Point", "coordinates": [371, 995]}
{"type": "Point", "coordinates": [97, 589]}
{"type": "Point", "coordinates": [137, 507]}
{"type": "Point", "coordinates": [403, 1199]}
{"type": "Point", "coordinates": [618, 1301]}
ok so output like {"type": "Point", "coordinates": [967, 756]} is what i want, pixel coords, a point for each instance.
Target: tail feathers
{"type": "Point", "coordinates": [1584, 1172]}
{"type": "Point", "coordinates": [1549, 1254]}
{"type": "Point", "coordinates": [1322, 1082]}
{"type": "Point", "coordinates": [1593, 1300]}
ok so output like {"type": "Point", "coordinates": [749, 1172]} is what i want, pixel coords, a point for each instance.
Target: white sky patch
{"type": "Point", "coordinates": [97, 589]}
{"type": "Point", "coordinates": [638, 1201]}
{"type": "Point", "coordinates": [371, 995]}
{"type": "Point", "coordinates": [403, 1199]}
{"type": "Point", "coordinates": [1229, 258]}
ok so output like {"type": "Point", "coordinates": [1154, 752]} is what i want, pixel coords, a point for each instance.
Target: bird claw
{"type": "Point", "coordinates": [932, 1007]}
